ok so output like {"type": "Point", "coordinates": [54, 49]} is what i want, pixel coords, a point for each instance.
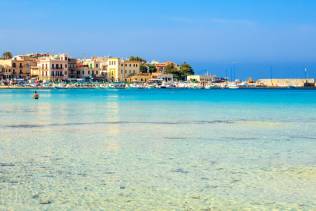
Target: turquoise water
{"type": "Point", "coordinates": [158, 150]}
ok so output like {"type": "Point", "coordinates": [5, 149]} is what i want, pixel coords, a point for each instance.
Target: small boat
{"type": "Point", "coordinates": [117, 86]}
{"type": "Point", "coordinates": [233, 86]}
{"type": "Point", "coordinates": [36, 96]}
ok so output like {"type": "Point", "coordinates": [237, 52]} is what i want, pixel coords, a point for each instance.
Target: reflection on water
{"type": "Point", "coordinates": [144, 150]}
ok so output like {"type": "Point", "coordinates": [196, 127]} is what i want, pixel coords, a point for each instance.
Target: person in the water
{"type": "Point", "coordinates": [36, 95]}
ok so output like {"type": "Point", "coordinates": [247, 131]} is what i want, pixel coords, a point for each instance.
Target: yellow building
{"type": "Point", "coordinates": [140, 78]}
{"type": "Point", "coordinates": [120, 70]}
{"type": "Point", "coordinates": [6, 69]}
{"type": "Point", "coordinates": [18, 67]}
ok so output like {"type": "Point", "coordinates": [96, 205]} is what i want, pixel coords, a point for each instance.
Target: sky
{"type": "Point", "coordinates": [257, 38]}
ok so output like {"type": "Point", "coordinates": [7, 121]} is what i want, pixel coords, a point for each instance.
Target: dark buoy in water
{"type": "Point", "coordinates": [36, 96]}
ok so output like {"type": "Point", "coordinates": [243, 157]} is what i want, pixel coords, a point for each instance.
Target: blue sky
{"type": "Point", "coordinates": [250, 36]}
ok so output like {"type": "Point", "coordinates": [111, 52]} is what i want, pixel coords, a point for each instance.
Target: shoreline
{"type": "Point", "coordinates": [65, 88]}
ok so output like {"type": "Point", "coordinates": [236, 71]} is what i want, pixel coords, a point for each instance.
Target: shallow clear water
{"type": "Point", "coordinates": [158, 149]}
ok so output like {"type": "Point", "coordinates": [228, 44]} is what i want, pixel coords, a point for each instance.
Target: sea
{"type": "Point", "coordinates": [158, 149]}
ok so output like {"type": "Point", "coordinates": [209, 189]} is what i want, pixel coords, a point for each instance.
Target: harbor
{"type": "Point", "coordinates": [284, 84]}
{"type": "Point", "coordinates": [60, 71]}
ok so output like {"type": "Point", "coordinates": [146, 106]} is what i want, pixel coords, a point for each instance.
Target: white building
{"type": "Point", "coordinates": [52, 68]}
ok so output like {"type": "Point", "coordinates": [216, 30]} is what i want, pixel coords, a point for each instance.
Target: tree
{"type": "Point", "coordinates": [173, 69]}
{"type": "Point", "coordinates": [186, 69]}
{"type": "Point", "coordinates": [148, 68]}
{"type": "Point", "coordinates": [137, 59]}
{"type": "Point", "coordinates": [143, 68]}
{"type": "Point", "coordinates": [152, 68]}
{"type": "Point", "coordinates": [7, 55]}
{"type": "Point", "coordinates": [180, 73]}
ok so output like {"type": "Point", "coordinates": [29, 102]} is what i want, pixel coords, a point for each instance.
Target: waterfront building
{"type": "Point", "coordinates": [83, 71]}
{"type": "Point", "coordinates": [6, 69]}
{"type": "Point", "coordinates": [139, 78]}
{"type": "Point", "coordinates": [150, 77]}
{"type": "Point", "coordinates": [161, 67]}
{"type": "Point", "coordinates": [162, 76]}
{"type": "Point", "coordinates": [35, 71]}
{"type": "Point", "coordinates": [201, 78]}
{"type": "Point", "coordinates": [72, 69]}
{"type": "Point", "coordinates": [97, 67]}
{"type": "Point", "coordinates": [120, 70]}
{"type": "Point", "coordinates": [52, 68]}
{"type": "Point", "coordinates": [1, 72]}
{"type": "Point", "coordinates": [285, 82]}
{"type": "Point", "coordinates": [19, 67]}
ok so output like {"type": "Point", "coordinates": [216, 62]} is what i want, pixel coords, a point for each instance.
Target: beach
{"type": "Point", "coordinates": [158, 149]}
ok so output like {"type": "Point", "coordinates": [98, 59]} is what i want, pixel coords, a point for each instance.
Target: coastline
{"type": "Point", "coordinates": [215, 88]}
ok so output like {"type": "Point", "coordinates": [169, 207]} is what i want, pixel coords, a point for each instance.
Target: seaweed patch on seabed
{"type": "Point", "coordinates": [24, 126]}
{"type": "Point", "coordinates": [7, 165]}
{"type": "Point", "coordinates": [180, 170]}
{"type": "Point", "coordinates": [303, 137]}
{"type": "Point", "coordinates": [241, 138]}
{"type": "Point", "coordinates": [175, 138]}
{"type": "Point", "coordinates": [215, 122]}
{"type": "Point", "coordinates": [118, 122]}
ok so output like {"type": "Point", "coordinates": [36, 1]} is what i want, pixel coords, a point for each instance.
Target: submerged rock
{"type": "Point", "coordinates": [45, 201]}
{"type": "Point", "coordinates": [180, 170]}
{"type": "Point", "coordinates": [7, 164]}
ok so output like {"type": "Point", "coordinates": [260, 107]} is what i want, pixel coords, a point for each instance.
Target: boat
{"type": "Point", "coordinates": [117, 86]}
{"type": "Point", "coordinates": [232, 86]}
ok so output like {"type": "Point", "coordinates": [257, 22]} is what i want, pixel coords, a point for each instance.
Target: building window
{"type": "Point", "coordinates": [14, 65]}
